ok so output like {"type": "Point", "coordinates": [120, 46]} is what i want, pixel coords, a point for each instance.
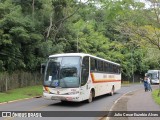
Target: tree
{"type": "Point", "coordinates": [31, 30]}
{"type": "Point", "coordinates": [19, 38]}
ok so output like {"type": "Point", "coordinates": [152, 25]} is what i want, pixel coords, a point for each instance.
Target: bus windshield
{"type": "Point", "coordinates": [62, 72]}
{"type": "Point", "coordinates": [153, 75]}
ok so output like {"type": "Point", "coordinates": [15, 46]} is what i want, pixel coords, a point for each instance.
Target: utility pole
{"type": "Point", "coordinates": [132, 58]}
{"type": "Point", "coordinates": [159, 83]}
{"type": "Point", "coordinates": [77, 44]}
{"type": "Point", "coordinates": [132, 66]}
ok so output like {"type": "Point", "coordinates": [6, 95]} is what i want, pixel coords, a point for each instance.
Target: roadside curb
{"type": "Point", "coordinates": [19, 100]}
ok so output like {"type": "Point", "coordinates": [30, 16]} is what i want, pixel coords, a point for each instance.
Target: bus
{"type": "Point", "coordinates": [154, 76]}
{"type": "Point", "coordinates": [77, 77]}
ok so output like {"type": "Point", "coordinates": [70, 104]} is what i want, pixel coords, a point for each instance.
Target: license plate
{"type": "Point", "coordinates": [55, 98]}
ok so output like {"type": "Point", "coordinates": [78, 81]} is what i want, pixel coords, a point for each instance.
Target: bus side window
{"type": "Point", "coordinates": [110, 68]}
{"type": "Point", "coordinates": [106, 67]}
{"type": "Point", "coordinates": [100, 65]}
{"type": "Point", "coordinates": [114, 69]}
{"type": "Point", "coordinates": [85, 70]}
{"type": "Point", "coordinates": [94, 65]}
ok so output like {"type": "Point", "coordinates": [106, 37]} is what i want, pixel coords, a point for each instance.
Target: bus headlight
{"type": "Point", "coordinates": [46, 90]}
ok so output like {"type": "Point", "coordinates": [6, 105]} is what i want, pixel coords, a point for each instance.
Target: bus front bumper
{"type": "Point", "coordinates": [74, 98]}
{"type": "Point", "coordinates": [155, 81]}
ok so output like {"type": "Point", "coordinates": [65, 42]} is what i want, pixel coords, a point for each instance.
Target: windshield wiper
{"type": "Point", "coordinates": [63, 81]}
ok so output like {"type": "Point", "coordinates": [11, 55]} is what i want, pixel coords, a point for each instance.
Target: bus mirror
{"type": "Point", "coordinates": [83, 65]}
{"type": "Point", "coordinates": [145, 74]}
{"type": "Point", "coordinates": [42, 68]}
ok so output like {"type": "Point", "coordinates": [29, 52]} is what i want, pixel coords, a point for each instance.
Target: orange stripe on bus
{"type": "Point", "coordinates": [102, 80]}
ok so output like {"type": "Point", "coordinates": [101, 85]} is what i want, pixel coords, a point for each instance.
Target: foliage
{"type": "Point", "coordinates": [120, 30]}
{"type": "Point", "coordinates": [155, 96]}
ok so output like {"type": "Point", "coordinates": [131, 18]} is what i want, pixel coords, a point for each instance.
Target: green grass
{"type": "Point", "coordinates": [156, 97]}
{"type": "Point", "coordinates": [20, 93]}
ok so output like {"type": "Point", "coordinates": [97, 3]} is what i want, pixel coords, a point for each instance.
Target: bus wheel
{"type": "Point", "coordinates": [90, 99]}
{"type": "Point", "coordinates": [112, 91]}
{"type": "Point", "coordinates": [62, 101]}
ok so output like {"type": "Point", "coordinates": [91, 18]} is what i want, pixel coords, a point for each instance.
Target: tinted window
{"type": "Point", "coordinates": [93, 64]}
{"type": "Point", "coordinates": [106, 67]}
{"type": "Point", "coordinates": [100, 65]}
{"type": "Point", "coordinates": [110, 68]}
{"type": "Point", "coordinates": [85, 70]}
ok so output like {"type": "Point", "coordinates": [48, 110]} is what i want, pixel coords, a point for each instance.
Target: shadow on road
{"type": "Point", "coordinates": [76, 104]}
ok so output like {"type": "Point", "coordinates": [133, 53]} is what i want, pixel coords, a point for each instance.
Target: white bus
{"type": "Point", "coordinates": [78, 77]}
{"type": "Point", "coordinates": [154, 76]}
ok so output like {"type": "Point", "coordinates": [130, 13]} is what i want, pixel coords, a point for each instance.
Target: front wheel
{"type": "Point", "coordinates": [90, 99]}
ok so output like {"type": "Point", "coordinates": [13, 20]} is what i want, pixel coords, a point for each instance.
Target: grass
{"type": "Point", "coordinates": [156, 97]}
{"type": "Point", "coordinates": [20, 93]}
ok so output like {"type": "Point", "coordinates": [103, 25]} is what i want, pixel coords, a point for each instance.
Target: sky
{"type": "Point", "coordinates": [147, 3]}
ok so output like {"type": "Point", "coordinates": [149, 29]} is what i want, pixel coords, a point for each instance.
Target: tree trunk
{"type": "Point", "coordinates": [50, 26]}
{"type": "Point", "coordinates": [33, 8]}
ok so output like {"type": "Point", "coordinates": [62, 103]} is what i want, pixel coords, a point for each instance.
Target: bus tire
{"type": "Point", "coordinates": [151, 82]}
{"type": "Point", "coordinates": [90, 99]}
{"type": "Point", "coordinates": [112, 91]}
{"type": "Point", "coordinates": [62, 101]}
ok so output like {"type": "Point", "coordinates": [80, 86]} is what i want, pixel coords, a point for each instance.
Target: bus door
{"type": "Point", "coordinates": [84, 76]}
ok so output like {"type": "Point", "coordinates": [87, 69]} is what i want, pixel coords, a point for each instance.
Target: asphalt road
{"type": "Point", "coordinates": [102, 103]}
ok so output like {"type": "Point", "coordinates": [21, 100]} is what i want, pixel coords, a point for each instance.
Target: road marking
{"type": "Point", "coordinates": [38, 108]}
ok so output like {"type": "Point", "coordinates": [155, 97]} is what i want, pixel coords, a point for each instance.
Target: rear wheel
{"type": "Point", "coordinates": [151, 82]}
{"type": "Point", "coordinates": [62, 101]}
{"type": "Point", "coordinates": [112, 91]}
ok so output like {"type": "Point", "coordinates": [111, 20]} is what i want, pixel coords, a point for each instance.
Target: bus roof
{"type": "Point", "coordinates": [82, 55]}
{"type": "Point", "coordinates": [153, 70]}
